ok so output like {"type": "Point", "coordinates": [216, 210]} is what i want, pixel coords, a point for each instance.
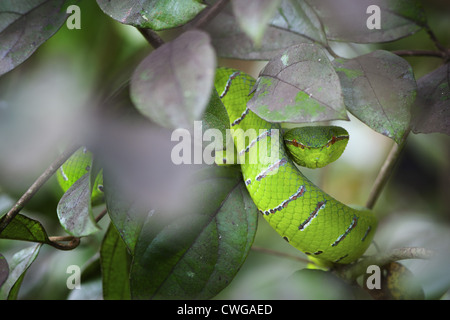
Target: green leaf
{"type": "Point", "coordinates": [4, 270]}
{"type": "Point", "coordinates": [18, 265]}
{"type": "Point", "coordinates": [75, 211]}
{"type": "Point", "coordinates": [379, 89]}
{"type": "Point", "coordinates": [253, 16]}
{"type": "Point", "coordinates": [172, 85]}
{"type": "Point", "coordinates": [432, 113]}
{"type": "Point", "coordinates": [26, 25]}
{"type": "Point", "coordinates": [231, 42]}
{"type": "Point", "coordinates": [154, 14]}
{"type": "Point", "coordinates": [80, 163]}
{"type": "Point", "coordinates": [299, 85]}
{"type": "Point", "coordinates": [299, 17]}
{"type": "Point", "coordinates": [196, 253]}
{"type": "Point", "coordinates": [216, 117]}
{"type": "Point", "coordinates": [127, 218]}
{"type": "Point", "coordinates": [347, 20]}
{"type": "Point", "coordinates": [115, 264]}
{"type": "Point", "coordinates": [25, 229]}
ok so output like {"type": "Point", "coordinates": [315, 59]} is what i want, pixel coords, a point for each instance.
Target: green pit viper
{"type": "Point", "coordinates": [304, 215]}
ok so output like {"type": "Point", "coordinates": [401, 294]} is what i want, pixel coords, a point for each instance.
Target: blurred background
{"type": "Point", "coordinates": [43, 105]}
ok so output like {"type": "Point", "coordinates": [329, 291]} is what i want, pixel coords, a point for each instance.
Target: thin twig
{"type": "Point", "coordinates": [434, 39]}
{"type": "Point", "coordinates": [56, 242]}
{"type": "Point", "coordinates": [152, 37]}
{"type": "Point", "coordinates": [386, 171]}
{"type": "Point", "coordinates": [43, 178]}
{"type": "Point", "coordinates": [209, 14]}
{"type": "Point", "coordinates": [418, 53]}
{"type": "Point", "coordinates": [351, 272]}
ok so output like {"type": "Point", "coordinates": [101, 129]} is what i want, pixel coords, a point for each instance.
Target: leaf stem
{"type": "Point", "coordinates": [209, 14]}
{"type": "Point", "coordinates": [43, 178]}
{"type": "Point", "coordinates": [55, 241]}
{"type": "Point", "coordinates": [152, 37]}
{"type": "Point", "coordinates": [386, 171]}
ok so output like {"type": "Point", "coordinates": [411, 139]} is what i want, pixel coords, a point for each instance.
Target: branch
{"type": "Point", "coordinates": [43, 178]}
{"type": "Point", "coordinates": [386, 171]}
{"type": "Point", "coordinates": [152, 37]}
{"type": "Point", "coordinates": [434, 39]}
{"type": "Point", "coordinates": [210, 14]}
{"type": "Point", "coordinates": [353, 271]}
{"type": "Point", "coordinates": [418, 53]}
{"type": "Point", "coordinates": [56, 242]}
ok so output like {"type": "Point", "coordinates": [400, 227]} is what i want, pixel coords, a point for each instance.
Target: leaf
{"type": "Point", "coordinates": [126, 217]}
{"type": "Point", "coordinates": [196, 253]}
{"type": "Point", "coordinates": [216, 117]}
{"type": "Point", "coordinates": [80, 163]}
{"type": "Point", "coordinates": [75, 211]}
{"type": "Point", "coordinates": [432, 113]}
{"type": "Point", "coordinates": [231, 42]}
{"type": "Point", "coordinates": [253, 16]}
{"type": "Point", "coordinates": [379, 89]}
{"type": "Point", "coordinates": [172, 85]}
{"type": "Point", "coordinates": [347, 20]}
{"type": "Point", "coordinates": [4, 270]}
{"type": "Point", "coordinates": [115, 262]}
{"type": "Point", "coordinates": [299, 85]}
{"type": "Point", "coordinates": [299, 17]}
{"type": "Point", "coordinates": [154, 14]}
{"type": "Point", "coordinates": [18, 265]}
{"type": "Point", "coordinates": [26, 25]}
{"type": "Point", "coordinates": [25, 229]}
{"type": "Point", "coordinates": [140, 174]}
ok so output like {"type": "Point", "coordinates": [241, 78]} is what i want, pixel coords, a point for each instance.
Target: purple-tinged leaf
{"type": "Point", "coordinates": [26, 25]}
{"type": "Point", "coordinates": [18, 266]}
{"type": "Point", "coordinates": [231, 42]}
{"type": "Point", "coordinates": [253, 16]}
{"type": "Point", "coordinates": [299, 85]}
{"type": "Point", "coordinates": [154, 14]}
{"type": "Point", "coordinates": [75, 211]}
{"type": "Point", "coordinates": [379, 89]}
{"type": "Point", "coordinates": [356, 21]}
{"type": "Point", "coordinates": [300, 18]}
{"type": "Point", "coordinates": [4, 269]}
{"type": "Point", "coordinates": [433, 108]}
{"type": "Point", "coordinates": [172, 85]}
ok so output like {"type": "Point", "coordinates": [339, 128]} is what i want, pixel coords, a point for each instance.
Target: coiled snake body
{"type": "Point", "coordinates": [305, 216]}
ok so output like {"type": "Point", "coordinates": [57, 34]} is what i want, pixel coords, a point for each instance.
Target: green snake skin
{"type": "Point", "coordinates": [304, 215]}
